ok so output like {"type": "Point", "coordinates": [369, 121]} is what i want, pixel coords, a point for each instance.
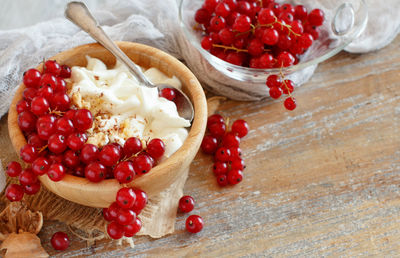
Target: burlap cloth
{"type": "Point", "coordinates": [158, 218]}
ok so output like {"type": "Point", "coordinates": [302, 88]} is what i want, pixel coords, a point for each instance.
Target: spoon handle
{"type": "Point", "coordinates": [79, 14]}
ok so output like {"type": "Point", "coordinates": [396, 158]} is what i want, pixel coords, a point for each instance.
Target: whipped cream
{"type": "Point", "coordinates": [122, 108]}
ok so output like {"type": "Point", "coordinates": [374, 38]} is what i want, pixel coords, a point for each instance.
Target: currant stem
{"type": "Point", "coordinates": [230, 48]}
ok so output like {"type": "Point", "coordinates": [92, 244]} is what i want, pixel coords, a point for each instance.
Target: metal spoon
{"type": "Point", "coordinates": [79, 14]}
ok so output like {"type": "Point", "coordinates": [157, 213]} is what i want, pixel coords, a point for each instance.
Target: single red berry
{"type": "Point", "coordinates": [222, 154]}
{"type": "Point", "coordinates": [56, 172]}
{"type": "Point", "coordinates": [48, 79]}
{"type": "Point", "coordinates": [217, 23]}
{"type": "Point", "coordinates": [186, 203]}
{"type": "Point", "coordinates": [222, 180]}
{"type": "Point", "coordinates": [56, 143]}
{"type": "Point", "coordinates": [220, 168]}
{"type": "Point", "coordinates": [240, 128]}
{"type": "Point", "coordinates": [234, 58]}
{"type": "Point", "coordinates": [14, 192]}
{"type": "Point", "coordinates": [255, 47]}
{"type": "Point", "coordinates": [275, 7]}
{"type": "Point", "coordinates": [95, 172]}
{"type": "Point", "coordinates": [242, 23]}
{"type": "Point", "coordinates": [27, 177]}
{"type": "Point", "coordinates": [32, 189]}
{"type": "Point", "coordinates": [243, 7]}
{"type": "Point", "coordinates": [236, 153]}
{"type": "Point", "coordinates": [124, 172]}
{"type": "Point", "coordinates": [51, 66]}
{"type": "Point", "coordinates": [32, 78]}
{"type": "Point", "coordinates": [217, 130]}
{"type": "Point", "coordinates": [297, 27]}
{"type": "Point", "coordinates": [288, 17]}
{"type": "Point", "coordinates": [227, 36]}
{"type": "Point", "coordinates": [194, 224]}
{"type": "Point", "coordinates": [61, 85]}
{"type": "Point", "coordinates": [238, 164]}
{"type": "Point", "coordinates": [35, 141]}
{"type": "Point", "coordinates": [266, 61]}
{"type": "Point", "coordinates": [230, 140]}
{"type": "Point", "coordinates": [287, 86]}
{"type": "Point", "coordinates": [113, 211]}
{"type": "Point", "coordinates": [71, 159]}
{"type": "Point", "coordinates": [270, 37]}
{"type": "Point", "coordinates": [106, 215]}
{"type": "Point", "coordinates": [27, 121]}
{"type": "Point", "coordinates": [209, 144]}
{"type": "Point", "coordinates": [76, 141]}
{"type": "Point", "coordinates": [305, 40]}
{"type": "Point", "coordinates": [60, 241]}
{"type": "Point", "coordinates": [29, 94]}
{"type": "Point", "coordinates": [60, 101]}
{"type": "Point", "coordinates": [156, 148]}
{"type": "Point", "coordinates": [40, 166]}
{"type": "Point", "coordinates": [285, 59]}
{"type": "Point", "coordinates": [132, 146]}
{"type": "Point", "coordinates": [300, 12]}
{"type": "Point", "coordinates": [142, 164]}
{"type": "Point", "coordinates": [115, 231]}
{"type": "Point", "coordinates": [125, 217]}
{"type": "Point", "coordinates": [206, 42]}
{"type": "Point", "coordinates": [222, 9]}
{"type": "Point", "coordinates": [70, 114]}
{"type": "Point", "coordinates": [79, 171]}
{"type": "Point", "coordinates": [273, 81]}
{"type": "Point", "coordinates": [202, 16]}
{"type": "Point", "coordinates": [46, 126]}
{"type": "Point", "coordinates": [215, 118]}
{"type": "Point", "coordinates": [126, 197]}
{"type": "Point", "coordinates": [316, 17]}
{"type": "Point", "coordinates": [235, 176]}
{"type": "Point", "coordinates": [55, 158]}
{"type": "Point", "coordinates": [266, 16]}
{"type": "Point", "coordinates": [168, 93]}
{"type": "Point", "coordinates": [141, 201]}
{"type": "Point", "coordinates": [28, 153]}
{"type": "Point", "coordinates": [287, 8]}
{"type": "Point", "coordinates": [65, 71]}
{"type": "Point", "coordinates": [284, 42]}
{"type": "Point", "coordinates": [275, 92]}
{"type": "Point", "coordinates": [89, 153]}
{"type": "Point", "coordinates": [46, 92]}
{"type": "Point", "coordinates": [13, 169]}
{"type": "Point", "coordinates": [133, 228]}
{"type": "Point", "coordinates": [22, 106]}
{"type": "Point", "coordinates": [109, 155]}
{"type": "Point", "coordinates": [290, 103]}
{"type": "Point", "coordinates": [83, 120]}
{"type": "Point", "coordinates": [64, 126]}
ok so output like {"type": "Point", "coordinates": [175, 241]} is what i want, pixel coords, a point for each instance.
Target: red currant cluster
{"type": "Point", "coordinates": [259, 34]}
{"type": "Point", "coordinates": [278, 85]}
{"type": "Point", "coordinates": [224, 145]}
{"type": "Point", "coordinates": [56, 135]}
{"type": "Point", "coordinates": [194, 223]}
{"type": "Point", "coordinates": [122, 214]}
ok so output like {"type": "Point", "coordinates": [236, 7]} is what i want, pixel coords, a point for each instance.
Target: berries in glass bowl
{"type": "Point", "coordinates": [233, 46]}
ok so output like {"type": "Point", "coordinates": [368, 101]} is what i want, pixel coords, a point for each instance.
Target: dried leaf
{"type": "Point", "coordinates": [16, 218]}
{"type": "Point", "coordinates": [23, 245]}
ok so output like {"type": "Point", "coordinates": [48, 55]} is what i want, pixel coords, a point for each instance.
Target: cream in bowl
{"type": "Point", "coordinates": [122, 108]}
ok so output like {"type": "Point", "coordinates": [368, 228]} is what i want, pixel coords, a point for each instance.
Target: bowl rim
{"type": "Point", "coordinates": [285, 70]}
{"type": "Point", "coordinates": [186, 152]}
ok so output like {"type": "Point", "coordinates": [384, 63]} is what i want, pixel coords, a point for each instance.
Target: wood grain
{"type": "Point", "coordinates": [322, 180]}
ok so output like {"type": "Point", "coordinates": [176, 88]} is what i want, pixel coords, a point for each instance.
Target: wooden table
{"type": "Point", "coordinates": [322, 180]}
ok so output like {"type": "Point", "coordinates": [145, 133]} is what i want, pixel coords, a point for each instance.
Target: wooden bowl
{"type": "Point", "coordinates": [81, 190]}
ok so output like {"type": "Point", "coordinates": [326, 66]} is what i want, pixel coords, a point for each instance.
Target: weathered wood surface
{"type": "Point", "coordinates": [322, 180]}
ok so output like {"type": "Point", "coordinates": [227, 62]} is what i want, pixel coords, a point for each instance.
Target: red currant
{"type": "Point", "coordinates": [300, 12]}
{"type": "Point", "coordinates": [156, 148]}
{"type": "Point", "coordinates": [14, 192]}
{"type": "Point", "coordinates": [60, 241]}
{"type": "Point", "coordinates": [28, 153]}
{"type": "Point", "coordinates": [217, 130]}
{"type": "Point", "coordinates": [222, 9]}
{"type": "Point", "coordinates": [275, 92]}
{"type": "Point", "coordinates": [142, 164]}
{"type": "Point", "coordinates": [32, 189]}
{"type": "Point", "coordinates": [56, 172]}
{"type": "Point", "coordinates": [83, 120]}
{"type": "Point", "coordinates": [222, 180]}
{"type": "Point", "coordinates": [207, 43]}
{"type": "Point", "coordinates": [22, 106]}
{"type": "Point", "coordinates": [316, 17]}
{"type": "Point", "coordinates": [220, 168]}
{"type": "Point", "coordinates": [124, 172]}
{"type": "Point", "coordinates": [35, 141]}
{"type": "Point", "coordinates": [230, 140]}
{"type": "Point", "coordinates": [60, 101]}
{"type": "Point", "coordinates": [168, 93]}
{"type": "Point", "coordinates": [56, 143]}
{"type": "Point", "coordinates": [32, 78]}
{"type": "Point", "coordinates": [141, 201]}
{"type": "Point", "coordinates": [194, 224]}
{"type": "Point", "coordinates": [290, 103]}
{"type": "Point", "coordinates": [65, 71]}
{"type": "Point", "coordinates": [89, 153]}
{"type": "Point", "coordinates": [26, 121]}
{"type": "Point", "coordinates": [132, 146]}
{"type": "Point", "coordinates": [186, 203]}
{"type": "Point", "coordinates": [126, 197]}
{"type": "Point", "coordinates": [51, 66]}
{"type": "Point", "coordinates": [217, 23]}
{"type": "Point", "coordinates": [125, 217]}
{"type": "Point", "coordinates": [240, 127]}
{"type": "Point", "coordinates": [109, 155]}
{"type": "Point", "coordinates": [235, 176]}
{"type": "Point", "coordinates": [46, 126]}
{"type": "Point", "coordinates": [48, 79]}
{"type": "Point", "coordinates": [238, 164]}
{"type": "Point", "coordinates": [46, 92]}
{"type": "Point", "coordinates": [64, 126]}
{"type": "Point", "coordinates": [202, 16]}
{"type": "Point", "coordinates": [95, 172]}
{"type": "Point", "coordinates": [13, 169]}
{"type": "Point", "coordinates": [71, 159]}
{"type": "Point", "coordinates": [27, 177]}
{"type": "Point", "coordinates": [29, 94]}
{"type": "Point", "coordinates": [113, 211]}
{"type": "Point", "coordinates": [266, 16]}
{"type": "Point", "coordinates": [273, 81]}
{"type": "Point", "coordinates": [40, 166]}
{"type": "Point", "coordinates": [115, 231]}
{"type": "Point", "coordinates": [132, 229]}
{"type": "Point", "coordinates": [209, 144]}
{"type": "Point", "coordinates": [222, 154]}
{"type": "Point", "coordinates": [76, 141]}
{"type": "Point", "coordinates": [242, 23]}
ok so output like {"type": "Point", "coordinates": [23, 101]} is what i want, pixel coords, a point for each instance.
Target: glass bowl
{"type": "Point", "coordinates": [344, 21]}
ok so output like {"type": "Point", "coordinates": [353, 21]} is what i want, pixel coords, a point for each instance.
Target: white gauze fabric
{"type": "Point", "coordinates": [149, 22]}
